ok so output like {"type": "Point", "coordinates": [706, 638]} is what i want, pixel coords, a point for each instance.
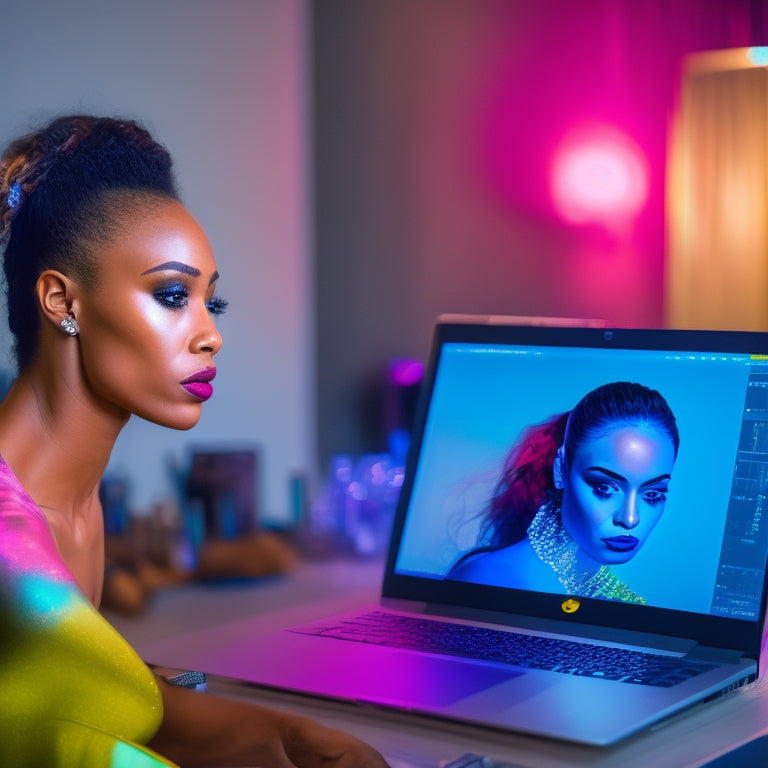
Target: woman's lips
{"type": "Point", "coordinates": [199, 384]}
{"type": "Point", "coordinates": [621, 543]}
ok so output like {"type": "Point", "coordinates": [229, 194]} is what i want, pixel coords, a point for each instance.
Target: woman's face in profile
{"type": "Point", "coordinates": [615, 491]}
{"type": "Point", "coordinates": [147, 331]}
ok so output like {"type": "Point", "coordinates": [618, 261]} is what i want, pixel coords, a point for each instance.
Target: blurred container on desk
{"type": "Point", "coordinates": [210, 531]}
{"type": "Point", "coordinates": [140, 549]}
{"type": "Point", "coordinates": [355, 509]}
{"type": "Point", "coordinates": [219, 499]}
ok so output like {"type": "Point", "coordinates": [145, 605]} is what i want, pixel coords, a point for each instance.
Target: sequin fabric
{"type": "Point", "coordinates": [554, 546]}
{"type": "Point", "coordinates": [72, 691]}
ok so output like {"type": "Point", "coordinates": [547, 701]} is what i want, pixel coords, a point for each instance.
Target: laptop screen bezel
{"type": "Point", "coordinates": [705, 629]}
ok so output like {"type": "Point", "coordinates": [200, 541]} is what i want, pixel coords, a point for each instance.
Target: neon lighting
{"type": "Point", "coordinates": [599, 176]}
{"type": "Point", "coordinates": [406, 373]}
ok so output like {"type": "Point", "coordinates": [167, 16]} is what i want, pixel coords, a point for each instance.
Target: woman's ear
{"type": "Point", "coordinates": [558, 468]}
{"type": "Point", "coordinates": [56, 295]}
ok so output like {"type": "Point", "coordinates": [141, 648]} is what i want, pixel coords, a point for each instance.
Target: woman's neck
{"type": "Point", "coordinates": [56, 443]}
{"type": "Point", "coordinates": [554, 546]}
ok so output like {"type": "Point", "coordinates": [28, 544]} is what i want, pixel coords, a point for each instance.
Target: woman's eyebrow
{"type": "Point", "coordinates": [617, 476]}
{"type": "Point", "coordinates": [177, 266]}
{"type": "Point", "coordinates": [614, 475]}
{"type": "Point", "coordinates": [655, 480]}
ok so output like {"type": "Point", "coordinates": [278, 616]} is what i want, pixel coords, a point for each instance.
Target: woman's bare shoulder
{"type": "Point", "coordinates": [514, 566]}
{"type": "Point", "coordinates": [483, 564]}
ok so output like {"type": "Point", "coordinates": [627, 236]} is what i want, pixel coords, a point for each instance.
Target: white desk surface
{"type": "Point", "coordinates": [183, 639]}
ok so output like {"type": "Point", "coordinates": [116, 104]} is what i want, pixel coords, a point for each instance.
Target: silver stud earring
{"type": "Point", "coordinates": [69, 326]}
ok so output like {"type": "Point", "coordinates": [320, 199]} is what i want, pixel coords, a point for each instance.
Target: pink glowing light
{"type": "Point", "coordinates": [406, 373]}
{"type": "Point", "coordinates": [599, 177]}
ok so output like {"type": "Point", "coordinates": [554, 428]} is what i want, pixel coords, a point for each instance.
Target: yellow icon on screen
{"type": "Point", "coordinates": [571, 605]}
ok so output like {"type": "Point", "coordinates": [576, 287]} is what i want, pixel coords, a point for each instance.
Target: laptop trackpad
{"type": "Point", "coordinates": [428, 681]}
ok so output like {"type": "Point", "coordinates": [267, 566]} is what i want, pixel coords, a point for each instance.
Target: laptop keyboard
{"type": "Point", "coordinates": [508, 647]}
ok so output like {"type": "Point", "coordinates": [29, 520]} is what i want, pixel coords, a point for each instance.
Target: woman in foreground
{"type": "Point", "coordinates": [111, 300]}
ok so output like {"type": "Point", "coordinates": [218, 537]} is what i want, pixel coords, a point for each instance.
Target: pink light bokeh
{"type": "Point", "coordinates": [599, 175]}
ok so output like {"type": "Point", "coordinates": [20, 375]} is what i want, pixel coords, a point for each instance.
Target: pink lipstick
{"type": "Point", "coordinates": [199, 384]}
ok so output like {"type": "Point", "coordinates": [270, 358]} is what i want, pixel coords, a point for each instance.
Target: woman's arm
{"type": "Point", "coordinates": [200, 730]}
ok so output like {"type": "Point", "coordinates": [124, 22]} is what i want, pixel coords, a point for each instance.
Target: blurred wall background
{"type": "Point", "coordinates": [436, 125]}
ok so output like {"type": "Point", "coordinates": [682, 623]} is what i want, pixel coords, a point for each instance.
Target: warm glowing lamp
{"type": "Point", "coordinates": [599, 177]}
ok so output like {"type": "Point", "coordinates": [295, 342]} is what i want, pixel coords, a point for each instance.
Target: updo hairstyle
{"type": "Point", "coordinates": [64, 190]}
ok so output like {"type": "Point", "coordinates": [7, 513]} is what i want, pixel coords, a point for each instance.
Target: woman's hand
{"type": "Point", "coordinates": [308, 744]}
{"type": "Point", "coordinates": [200, 730]}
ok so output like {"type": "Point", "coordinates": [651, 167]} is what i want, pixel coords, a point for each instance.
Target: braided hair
{"type": "Point", "coordinates": [65, 189]}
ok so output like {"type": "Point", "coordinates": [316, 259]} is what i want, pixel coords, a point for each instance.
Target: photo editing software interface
{"type": "Point", "coordinates": [741, 567]}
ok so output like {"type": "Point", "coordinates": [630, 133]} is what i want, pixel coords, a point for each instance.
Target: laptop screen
{"type": "Point", "coordinates": [631, 512]}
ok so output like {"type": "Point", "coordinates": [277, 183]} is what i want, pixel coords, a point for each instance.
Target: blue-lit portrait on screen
{"type": "Point", "coordinates": [489, 403]}
{"type": "Point", "coordinates": [578, 495]}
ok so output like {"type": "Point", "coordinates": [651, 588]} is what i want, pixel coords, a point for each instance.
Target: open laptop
{"type": "Point", "coordinates": [691, 593]}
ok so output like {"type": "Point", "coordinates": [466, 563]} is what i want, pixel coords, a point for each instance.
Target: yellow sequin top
{"type": "Point", "coordinates": [72, 692]}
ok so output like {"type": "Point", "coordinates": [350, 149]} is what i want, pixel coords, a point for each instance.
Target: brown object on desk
{"type": "Point", "coordinates": [129, 583]}
{"type": "Point", "coordinates": [257, 554]}
{"type": "Point", "coordinates": [127, 588]}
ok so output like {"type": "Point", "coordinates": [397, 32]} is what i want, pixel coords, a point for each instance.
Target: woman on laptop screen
{"type": "Point", "coordinates": [578, 495]}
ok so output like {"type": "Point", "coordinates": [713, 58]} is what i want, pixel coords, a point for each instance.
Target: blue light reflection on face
{"type": "Point", "coordinates": [617, 487]}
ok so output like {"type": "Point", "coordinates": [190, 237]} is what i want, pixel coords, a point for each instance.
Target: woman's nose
{"type": "Point", "coordinates": [207, 338]}
{"type": "Point", "coordinates": [627, 515]}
